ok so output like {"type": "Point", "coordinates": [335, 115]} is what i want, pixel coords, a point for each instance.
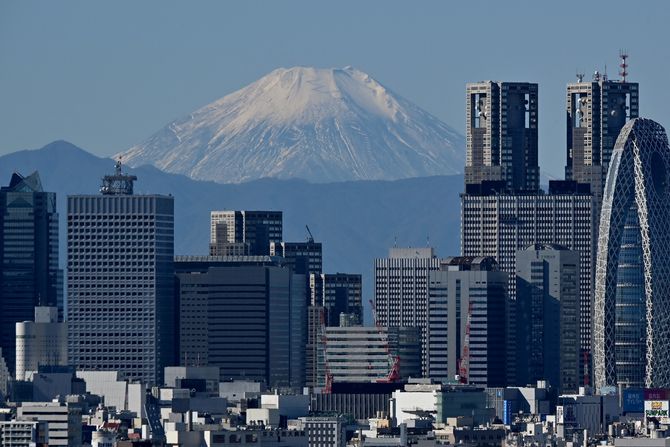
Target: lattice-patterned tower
{"type": "Point", "coordinates": [635, 212]}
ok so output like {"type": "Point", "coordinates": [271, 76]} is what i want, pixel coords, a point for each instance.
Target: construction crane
{"type": "Point", "coordinates": [310, 238]}
{"type": "Point", "coordinates": [394, 360]}
{"type": "Point", "coordinates": [328, 388]}
{"type": "Point", "coordinates": [464, 364]}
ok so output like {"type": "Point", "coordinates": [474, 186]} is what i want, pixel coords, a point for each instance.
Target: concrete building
{"type": "Point", "coordinates": [401, 290]}
{"type": "Point", "coordinates": [245, 315]}
{"type": "Point", "coordinates": [120, 280]}
{"type": "Point", "coordinates": [421, 399]}
{"type": "Point", "coordinates": [23, 433]}
{"type": "Point", "coordinates": [467, 292]}
{"type": "Point", "coordinates": [596, 112]}
{"type": "Point", "coordinates": [370, 354]}
{"type": "Point", "coordinates": [337, 293]}
{"type": "Point", "coordinates": [203, 379]}
{"type": "Point", "coordinates": [501, 136]}
{"type": "Point", "coordinates": [498, 225]}
{"type": "Point", "coordinates": [249, 231]}
{"type": "Point", "coordinates": [632, 285]}
{"type": "Point", "coordinates": [29, 273]}
{"type": "Point", "coordinates": [116, 392]}
{"type": "Point", "coordinates": [63, 419]}
{"type": "Point", "coordinates": [547, 277]}
{"type": "Point", "coordinates": [40, 342]}
{"type": "Point", "coordinates": [324, 431]}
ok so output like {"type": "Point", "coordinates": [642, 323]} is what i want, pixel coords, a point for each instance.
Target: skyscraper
{"type": "Point", "coordinates": [401, 290]}
{"type": "Point", "coordinates": [500, 225]}
{"type": "Point", "coordinates": [29, 274]}
{"type": "Point", "coordinates": [243, 314]}
{"type": "Point", "coordinates": [596, 112]}
{"type": "Point", "coordinates": [304, 258]}
{"type": "Point", "coordinates": [338, 293]}
{"type": "Point", "coordinates": [632, 284]}
{"type": "Point", "coordinates": [547, 292]}
{"type": "Point", "coordinates": [120, 280]}
{"type": "Point", "coordinates": [501, 131]}
{"type": "Point", "coordinates": [468, 295]}
{"type": "Point", "coordinates": [253, 229]}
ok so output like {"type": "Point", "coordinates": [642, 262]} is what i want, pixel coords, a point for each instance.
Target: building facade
{"type": "Point", "coordinates": [120, 280]}
{"type": "Point", "coordinates": [305, 258]}
{"type": "Point", "coordinates": [249, 231]}
{"type": "Point", "coordinates": [29, 273]}
{"type": "Point", "coordinates": [370, 354]}
{"type": "Point", "coordinates": [401, 290]}
{"type": "Point", "coordinates": [63, 421]}
{"type": "Point", "coordinates": [40, 342]}
{"type": "Point", "coordinates": [500, 225]}
{"type": "Point", "coordinates": [337, 293]}
{"type": "Point", "coordinates": [547, 277]}
{"type": "Point", "coordinates": [596, 112]}
{"type": "Point", "coordinates": [632, 285]}
{"type": "Point", "coordinates": [466, 335]}
{"type": "Point", "coordinates": [501, 135]}
{"type": "Point", "coordinates": [245, 315]}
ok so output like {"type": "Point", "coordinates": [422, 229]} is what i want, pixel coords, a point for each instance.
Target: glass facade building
{"type": "Point", "coordinates": [29, 273]}
{"type": "Point", "coordinates": [632, 281]}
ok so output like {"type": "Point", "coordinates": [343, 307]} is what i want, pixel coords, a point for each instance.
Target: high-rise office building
{"type": "Point", "coordinates": [338, 293]}
{"type": "Point", "coordinates": [245, 315]}
{"type": "Point", "coordinates": [467, 295]}
{"type": "Point", "coordinates": [501, 136]}
{"type": "Point", "coordinates": [596, 112]}
{"type": "Point", "coordinates": [547, 303]}
{"type": "Point", "coordinates": [632, 282]}
{"type": "Point", "coordinates": [120, 280]}
{"type": "Point", "coordinates": [401, 290]}
{"type": "Point", "coordinates": [29, 274]}
{"type": "Point", "coordinates": [500, 225]}
{"type": "Point", "coordinates": [252, 231]}
{"type": "Point", "coordinates": [42, 342]}
{"type": "Point", "coordinates": [305, 258]}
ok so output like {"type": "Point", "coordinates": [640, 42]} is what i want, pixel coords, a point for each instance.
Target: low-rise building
{"type": "Point", "coordinates": [63, 419]}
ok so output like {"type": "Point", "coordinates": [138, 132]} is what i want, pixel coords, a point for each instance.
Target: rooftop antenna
{"type": "Point", "coordinates": [428, 241]}
{"type": "Point", "coordinates": [605, 73]}
{"type": "Point", "coordinates": [580, 77]}
{"type": "Point", "coordinates": [623, 55]}
{"type": "Point", "coordinates": [395, 241]}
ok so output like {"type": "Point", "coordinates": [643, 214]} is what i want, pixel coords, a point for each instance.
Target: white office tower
{"type": "Point", "coordinates": [40, 342]}
{"type": "Point", "coordinates": [120, 280]}
{"type": "Point", "coordinates": [401, 289]}
{"type": "Point", "coordinates": [466, 324]}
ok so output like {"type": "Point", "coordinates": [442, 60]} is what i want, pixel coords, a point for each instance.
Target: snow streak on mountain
{"type": "Point", "coordinates": [322, 125]}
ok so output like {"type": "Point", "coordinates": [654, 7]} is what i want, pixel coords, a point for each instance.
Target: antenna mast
{"type": "Point", "coordinates": [623, 55]}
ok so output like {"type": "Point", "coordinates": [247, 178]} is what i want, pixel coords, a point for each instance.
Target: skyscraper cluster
{"type": "Point", "coordinates": [566, 282]}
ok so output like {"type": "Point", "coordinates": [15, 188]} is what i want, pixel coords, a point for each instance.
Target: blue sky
{"type": "Point", "coordinates": [107, 75]}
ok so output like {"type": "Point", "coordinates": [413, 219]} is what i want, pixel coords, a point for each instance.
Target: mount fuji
{"type": "Point", "coordinates": [320, 125]}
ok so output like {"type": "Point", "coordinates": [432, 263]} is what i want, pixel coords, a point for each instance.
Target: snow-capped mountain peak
{"type": "Point", "coordinates": [304, 122]}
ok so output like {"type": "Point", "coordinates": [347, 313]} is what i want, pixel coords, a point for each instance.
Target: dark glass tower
{"type": "Point", "coordinates": [29, 274]}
